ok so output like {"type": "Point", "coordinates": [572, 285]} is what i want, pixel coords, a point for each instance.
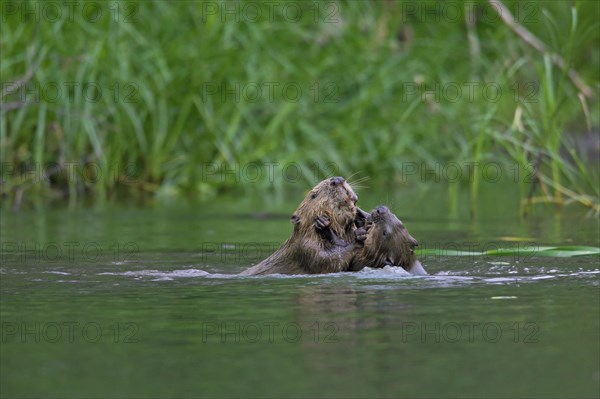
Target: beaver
{"type": "Point", "coordinates": [388, 243]}
{"type": "Point", "coordinates": [327, 233]}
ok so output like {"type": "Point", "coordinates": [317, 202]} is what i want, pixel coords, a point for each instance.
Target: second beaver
{"type": "Point", "coordinates": [325, 236]}
{"type": "Point", "coordinates": [388, 243]}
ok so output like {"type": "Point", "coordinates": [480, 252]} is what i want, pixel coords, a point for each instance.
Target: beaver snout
{"type": "Point", "coordinates": [360, 214]}
{"type": "Point", "coordinates": [381, 210]}
{"type": "Point", "coordinates": [336, 180]}
{"type": "Point", "coordinates": [362, 217]}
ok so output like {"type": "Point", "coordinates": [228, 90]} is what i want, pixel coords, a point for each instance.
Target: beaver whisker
{"type": "Point", "coordinates": [359, 180]}
{"type": "Point", "coordinates": [352, 175]}
{"type": "Point", "coordinates": [364, 178]}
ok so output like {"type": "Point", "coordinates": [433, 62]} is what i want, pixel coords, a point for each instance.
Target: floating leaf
{"type": "Point", "coordinates": [558, 252]}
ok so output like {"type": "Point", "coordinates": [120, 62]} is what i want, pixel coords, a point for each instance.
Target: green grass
{"type": "Point", "coordinates": [157, 125]}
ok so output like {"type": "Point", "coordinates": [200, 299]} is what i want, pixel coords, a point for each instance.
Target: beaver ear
{"type": "Point", "coordinates": [294, 219]}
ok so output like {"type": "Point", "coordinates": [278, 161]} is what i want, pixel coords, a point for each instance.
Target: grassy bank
{"type": "Point", "coordinates": [189, 97]}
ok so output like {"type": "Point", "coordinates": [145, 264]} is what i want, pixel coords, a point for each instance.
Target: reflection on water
{"type": "Point", "coordinates": [147, 303]}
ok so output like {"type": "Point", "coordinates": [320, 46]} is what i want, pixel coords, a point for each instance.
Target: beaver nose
{"type": "Point", "coordinates": [337, 180]}
{"type": "Point", "coordinates": [382, 209]}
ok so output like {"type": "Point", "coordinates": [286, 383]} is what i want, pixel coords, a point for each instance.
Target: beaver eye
{"type": "Point", "coordinates": [313, 195]}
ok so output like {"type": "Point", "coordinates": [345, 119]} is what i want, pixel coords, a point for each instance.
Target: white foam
{"type": "Point", "coordinates": [385, 272]}
{"type": "Point", "coordinates": [161, 275]}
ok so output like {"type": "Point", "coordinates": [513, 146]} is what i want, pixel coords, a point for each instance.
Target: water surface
{"type": "Point", "coordinates": [144, 302]}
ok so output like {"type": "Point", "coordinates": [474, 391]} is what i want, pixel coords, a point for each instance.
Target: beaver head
{"type": "Point", "coordinates": [333, 198]}
{"type": "Point", "coordinates": [388, 242]}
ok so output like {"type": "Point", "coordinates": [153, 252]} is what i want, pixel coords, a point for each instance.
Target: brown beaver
{"type": "Point", "coordinates": [325, 236]}
{"type": "Point", "coordinates": [388, 243]}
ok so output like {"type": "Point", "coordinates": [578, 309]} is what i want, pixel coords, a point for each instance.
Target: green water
{"type": "Point", "coordinates": [142, 302]}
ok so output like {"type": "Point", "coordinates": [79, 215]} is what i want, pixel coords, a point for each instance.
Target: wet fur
{"type": "Point", "coordinates": [388, 243]}
{"type": "Point", "coordinates": [324, 238]}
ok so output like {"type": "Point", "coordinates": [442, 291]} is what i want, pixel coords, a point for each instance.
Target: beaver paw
{"type": "Point", "coordinates": [361, 234]}
{"type": "Point", "coordinates": [322, 222]}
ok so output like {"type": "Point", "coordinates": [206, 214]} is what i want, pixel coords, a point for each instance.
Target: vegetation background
{"type": "Point", "coordinates": [106, 99]}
